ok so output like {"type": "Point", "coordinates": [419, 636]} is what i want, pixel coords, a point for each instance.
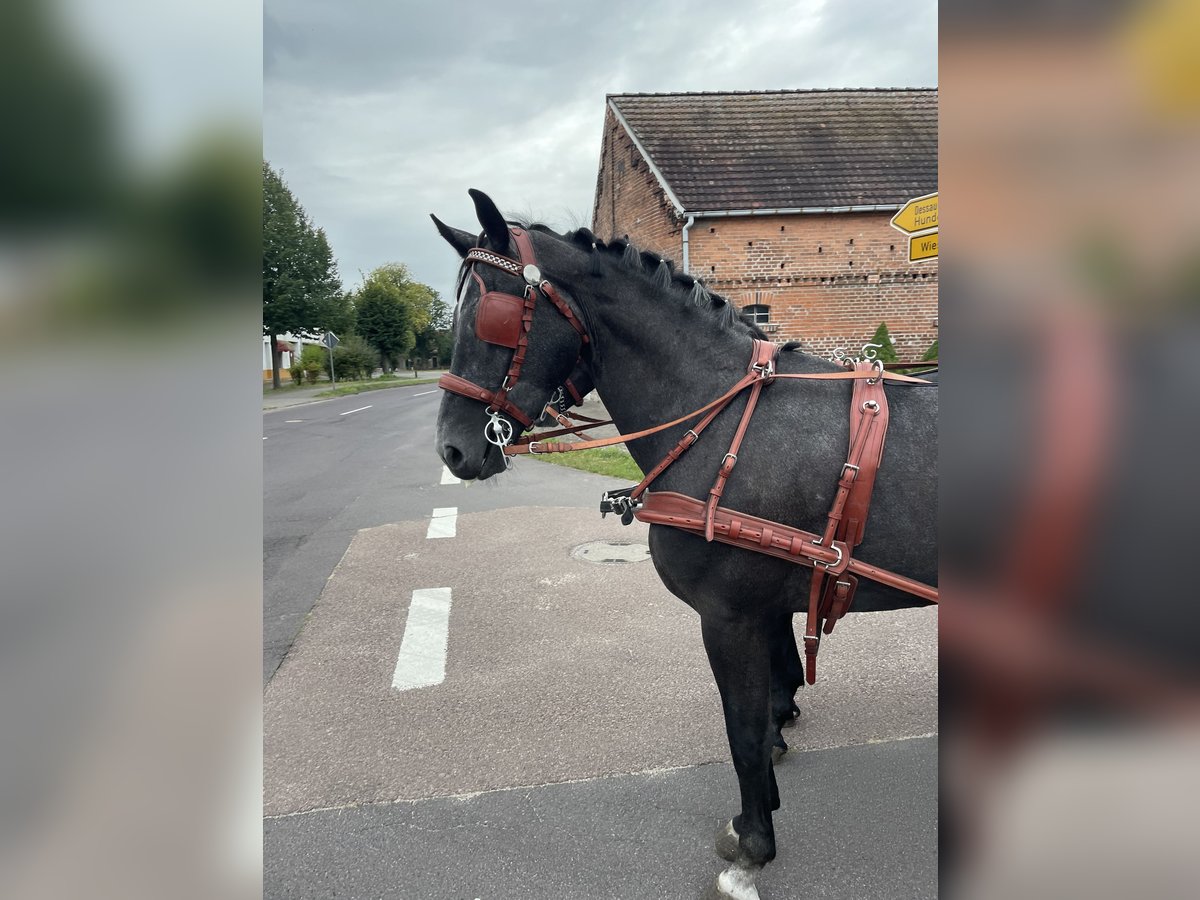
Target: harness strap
{"type": "Point", "coordinates": [762, 365]}
{"type": "Point", "coordinates": [770, 538]}
{"type": "Point", "coordinates": [576, 397]}
{"type": "Point", "coordinates": [745, 382]}
{"type": "Point", "coordinates": [829, 600]}
{"type": "Point", "coordinates": [494, 399]}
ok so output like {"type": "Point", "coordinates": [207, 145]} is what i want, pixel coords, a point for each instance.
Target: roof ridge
{"type": "Point", "coordinates": [825, 90]}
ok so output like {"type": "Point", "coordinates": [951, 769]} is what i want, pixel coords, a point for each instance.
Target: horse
{"type": "Point", "coordinates": [658, 345]}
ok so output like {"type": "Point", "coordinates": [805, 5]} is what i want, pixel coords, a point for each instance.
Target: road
{"type": "Point", "coordinates": [457, 707]}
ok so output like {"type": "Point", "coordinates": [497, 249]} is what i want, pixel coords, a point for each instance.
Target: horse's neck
{"type": "Point", "coordinates": [660, 360]}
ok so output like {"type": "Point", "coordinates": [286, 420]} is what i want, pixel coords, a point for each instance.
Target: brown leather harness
{"type": "Point", "coordinates": [836, 572]}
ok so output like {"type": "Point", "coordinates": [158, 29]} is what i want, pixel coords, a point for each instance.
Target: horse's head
{"type": "Point", "coordinates": [516, 339]}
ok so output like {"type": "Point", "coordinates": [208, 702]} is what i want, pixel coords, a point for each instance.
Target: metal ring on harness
{"type": "Point", "coordinates": [498, 430]}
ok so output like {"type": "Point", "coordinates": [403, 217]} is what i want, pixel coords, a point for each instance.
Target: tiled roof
{"type": "Point", "coordinates": [787, 149]}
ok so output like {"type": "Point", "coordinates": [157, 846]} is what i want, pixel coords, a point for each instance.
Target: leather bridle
{"type": "Point", "coordinates": [506, 320]}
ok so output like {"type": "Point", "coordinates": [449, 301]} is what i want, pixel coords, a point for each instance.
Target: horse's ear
{"type": "Point", "coordinates": [462, 241]}
{"type": "Point", "coordinates": [491, 219]}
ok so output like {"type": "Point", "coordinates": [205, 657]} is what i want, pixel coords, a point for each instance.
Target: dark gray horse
{"type": "Point", "coordinates": [659, 347]}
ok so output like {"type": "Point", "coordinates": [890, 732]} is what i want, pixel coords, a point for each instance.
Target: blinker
{"type": "Point", "coordinates": [498, 320]}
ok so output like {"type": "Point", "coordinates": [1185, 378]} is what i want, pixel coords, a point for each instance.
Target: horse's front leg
{"type": "Point", "coordinates": [739, 653]}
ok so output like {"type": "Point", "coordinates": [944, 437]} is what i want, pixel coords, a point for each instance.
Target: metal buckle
{"type": "Point", "coordinates": [846, 466]}
{"type": "Point", "coordinates": [766, 370]}
{"type": "Point", "coordinates": [829, 565]}
{"type": "Point", "coordinates": [533, 446]}
{"type": "Point", "coordinates": [695, 437]}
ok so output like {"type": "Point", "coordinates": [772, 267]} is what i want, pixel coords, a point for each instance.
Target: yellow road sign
{"type": "Point", "coordinates": [922, 246]}
{"type": "Point", "coordinates": [920, 214]}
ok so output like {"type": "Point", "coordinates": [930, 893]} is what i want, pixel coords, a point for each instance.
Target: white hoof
{"type": "Point", "coordinates": [738, 883]}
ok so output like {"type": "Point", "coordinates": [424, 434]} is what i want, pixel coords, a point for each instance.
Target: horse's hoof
{"type": "Point", "coordinates": [777, 752]}
{"type": "Point", "coordinates": [737, 884]}
{"type": "Point", "coordinates": [716, 892]}
{"type": "Point", "coordinates": [727, 842]}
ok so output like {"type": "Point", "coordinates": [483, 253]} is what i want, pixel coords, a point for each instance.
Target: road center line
{"type": "Point", "coordinates": [448, 476]}
{"type": "Point", "coordinates": [292, 421]}
{"type": "Point", "coordinates": [443, 523]}
{"type": "Point", "coordinates": [422, 659]}
{"type": "Point", "coordinates": [360, 409]}
{"type": "Point", "coordinates": [424, 393]}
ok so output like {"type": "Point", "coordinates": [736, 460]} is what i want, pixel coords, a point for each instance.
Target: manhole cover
{"type": "Point", "coordinates": [608, 553]}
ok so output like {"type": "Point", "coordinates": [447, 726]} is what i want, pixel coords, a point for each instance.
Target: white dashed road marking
{"type": "Point", "coordinates": [424, 393]}
{"type": "Point", "coordinates": [292, 421]}
{"type": "Point", "coordinates": [422, 660]}
{"type": "Point", "coordinates": [360, 409]}
{"type": "Point", "coordinates": [443, 523]}
{"type": "Point", "coordinates": [448, 476]}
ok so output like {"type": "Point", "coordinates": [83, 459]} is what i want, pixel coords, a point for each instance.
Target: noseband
{"type": "Point", "coordinates": [506, 320]}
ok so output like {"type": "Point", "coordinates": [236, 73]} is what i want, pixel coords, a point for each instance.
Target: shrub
{"type": "Point", "coordinates": [296, 371]}
{"type": "Point", "coordinates": [888, 351]}
{"type": "Point", "coordinates": [931, 353]}
{"type": "Point", "coordinates": [353, 359]}
{"type": "Point", "coordinates": [312, 360]}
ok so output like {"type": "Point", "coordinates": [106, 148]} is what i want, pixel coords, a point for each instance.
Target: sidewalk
{"type": "Point", "coordinates": [297, 396]}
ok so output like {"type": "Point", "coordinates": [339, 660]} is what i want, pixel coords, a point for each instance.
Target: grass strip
{"type": "Point", "coordinates": [358, 387]}
{"type": "Point", "coordinates": [612, 461]}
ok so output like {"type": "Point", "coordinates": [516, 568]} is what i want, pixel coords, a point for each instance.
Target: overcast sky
{"type": "Point", "coordinates": [379, 112]}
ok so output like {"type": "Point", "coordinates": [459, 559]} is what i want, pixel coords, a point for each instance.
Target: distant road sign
{"type": "Point", "coordinates": [922, 246]}
{"type": "Point", "coordinates": [330, 340]}
{"type": "Point", "coordinates": [919, 214]}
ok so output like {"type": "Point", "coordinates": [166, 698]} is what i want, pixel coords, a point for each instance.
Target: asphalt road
{"type": "Point", "coordinates": [570, 744]}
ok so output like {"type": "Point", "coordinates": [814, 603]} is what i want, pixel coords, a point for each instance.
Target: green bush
{"type": "Point", "coordinates": [312, 361]}
{"type": "Point", "coordinates": [931, 353]}
{"type": "Point", "coordinates": [296, 371]}
{"type": "Point", "coordinates": [888, 351]}
{"type": "Point", "coordinates": [353, 359]}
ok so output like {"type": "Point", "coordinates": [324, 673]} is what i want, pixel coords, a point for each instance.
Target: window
{"type": "Point", "coordinates": [757, 314]}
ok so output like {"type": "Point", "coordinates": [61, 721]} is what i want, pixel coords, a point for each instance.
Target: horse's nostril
{"type": "Point", "coordinates": [451, 455]}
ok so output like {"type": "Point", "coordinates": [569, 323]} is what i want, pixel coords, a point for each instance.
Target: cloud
{"type": "Point", "coordinates": [380, 113]}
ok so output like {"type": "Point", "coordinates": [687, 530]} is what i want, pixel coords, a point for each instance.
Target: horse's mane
{"type": "Point", "coordinates": [655, 269]}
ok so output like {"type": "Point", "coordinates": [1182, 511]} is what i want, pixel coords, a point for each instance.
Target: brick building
{"type": "Point", "coordinates": [780, 201]}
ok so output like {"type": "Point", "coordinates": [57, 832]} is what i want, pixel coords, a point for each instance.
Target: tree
{"type": "Point", "coordinates": [302, 292]}
{"type": "Point", "coordinates": [435, 341]}
{"type": "Point", "coordinates": [392, 310]}
{"type": "Point", "coordinates": [888, 352]}
{"type": "Point", "coordinates": [383, 319]}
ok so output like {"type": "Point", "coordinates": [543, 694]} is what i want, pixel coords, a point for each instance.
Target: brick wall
{"type": "Point", "coordinates": [630, 200]}
{"type": "Point", "coordinates": [829, 280]}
